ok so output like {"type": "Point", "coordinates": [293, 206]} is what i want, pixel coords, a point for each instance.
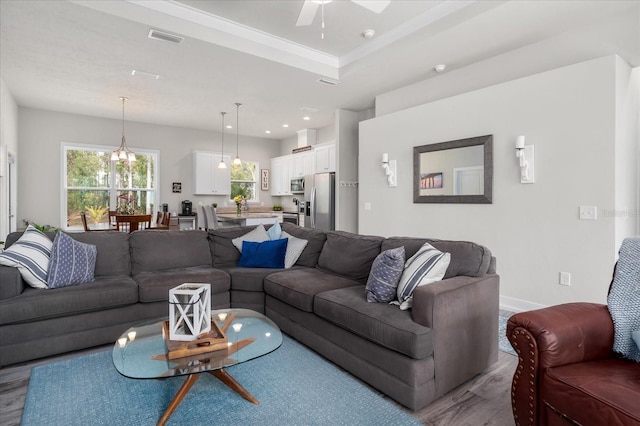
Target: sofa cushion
{"type": "Point", "coordinates": [155, 286]}
{"type": "Point", "coordinates": [349, 255]}
{"type": "Point", "coordinates": [100, 294]}
{"type": "Point", "coordinates": [297, 287]}
{"type": "Point", "coordinates": [428, 265]}
{"type": "Point", "coordinates": [72, 262]}
{"type": "Point", "coordinates": [30, 255]}
{"type": "Point", "coordinates": [155, 250]}
{"type": "Point", "coordinates": [295, 247]}
{"type": "Point", "coordinates": [267, 254]}
{"type": "Point", "coordinates": [223, 252]}
{"type": "Point", "coordinates": [113, 256]}
{"type": "Point", "coordinates": [380, 323]}
{"type": "Point", "coordinates": [315, 241]}
{"type": "Point", "coordinates": [249, 279]}
{"type": "Point", "coordinates": [384, 276]}
{"type": "Point", "coordinates": [606, 390]}
{"type": "Point", "coordinates": [467, 258]}
{"type": "Point", "coordinates": [257, 235]}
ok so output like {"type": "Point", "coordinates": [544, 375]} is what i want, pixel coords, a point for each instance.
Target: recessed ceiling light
{"type": "Point", "coordinates": [368, 34]}
{"type": "Point", "coordinates": [285, 125]}
{"type": "Point", "coordinates": [306, 118]}
{"type": "Point", "coordinates": [267, 131]}
{"type": "Point", "coordinates": [229, 126]}
{"type": "Point", "coordinates": [144, 74]}
{"type": "Point", "coordinates": [440, 67]}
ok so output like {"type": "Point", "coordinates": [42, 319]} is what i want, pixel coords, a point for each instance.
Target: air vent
{"type": "Point", "coordinates": [329, 81]}
{"type": "Point", "coordinates": [159, 35]}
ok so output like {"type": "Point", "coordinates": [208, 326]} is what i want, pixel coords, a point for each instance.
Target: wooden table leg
{"type": "Point", "coordinates": [228, 380]}
{"type": "Point", "coordinates": [184, 389]}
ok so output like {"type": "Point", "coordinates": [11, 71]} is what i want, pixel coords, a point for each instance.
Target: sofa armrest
{"type": "Point", "coordinates": [463, 313]}
{"type": "Point", "coordinates": [11, 283]}
{"type": "Point", "coordinates": [551, 337]}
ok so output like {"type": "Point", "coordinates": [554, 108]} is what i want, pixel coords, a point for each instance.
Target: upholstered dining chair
{"type": "Point", "coordinates": [202, 218]}
{"type": "Point", "coordinates": [212, 218]}
{"type": "Point", "coordinates": [133, 222]}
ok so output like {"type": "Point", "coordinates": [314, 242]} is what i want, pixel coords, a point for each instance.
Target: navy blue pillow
{"type": "Point", "coordinates": [267, 254]}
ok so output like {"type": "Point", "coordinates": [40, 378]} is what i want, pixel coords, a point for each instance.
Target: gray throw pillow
{"type": "Point", "coordinates": [384, 276]}
{"type": "Point", "coordinates": [624, 299]}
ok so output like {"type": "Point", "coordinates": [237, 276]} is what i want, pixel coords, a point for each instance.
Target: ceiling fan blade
{"type": "Point", "coordinates": [376, 6]}
{"type": "Point", "coordinates": [307, 13]}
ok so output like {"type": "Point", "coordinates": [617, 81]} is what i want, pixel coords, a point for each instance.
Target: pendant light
{"type": "Point", "coordinates": [237, 160]}
{"type": "Point", "coordinates": [222, 164]}
{"type": "Point", "coordinates": [123, 153]}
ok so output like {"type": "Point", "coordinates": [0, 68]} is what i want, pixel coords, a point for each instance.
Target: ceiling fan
{"type": "Point", "coordinates": [310, 7]}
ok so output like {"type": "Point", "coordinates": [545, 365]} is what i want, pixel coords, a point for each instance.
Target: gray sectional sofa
{"type": "Point", "coordinates": [413, 356]}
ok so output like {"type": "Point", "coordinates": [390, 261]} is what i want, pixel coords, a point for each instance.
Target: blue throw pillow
{"type": "Point", "coordinates": [72, 262]}
{"type": "Point", "coordinates": [267, 254]}
{"type": "Point", "coordinates": [275, 232]}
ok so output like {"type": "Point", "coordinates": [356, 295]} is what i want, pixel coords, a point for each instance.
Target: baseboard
{"type": "Point", "coordinates": [512, 304]}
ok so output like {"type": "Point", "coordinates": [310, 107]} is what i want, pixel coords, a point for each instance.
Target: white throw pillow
{"type": "Point", "coordinates": [295, 246]}
{"type": "Point", "coordinates": [30, 254]}
{"type": "Point", "coordinates": [428, 265]}
{"type": "Point", "coordinates": [257, 235]}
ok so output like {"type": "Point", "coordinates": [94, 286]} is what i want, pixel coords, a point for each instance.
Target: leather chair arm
{"type": "Point", "coordinates": [551, 337]}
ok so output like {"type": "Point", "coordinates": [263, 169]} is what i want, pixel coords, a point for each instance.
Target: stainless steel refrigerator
{"type": "Point", "coordinates": [320, 201]}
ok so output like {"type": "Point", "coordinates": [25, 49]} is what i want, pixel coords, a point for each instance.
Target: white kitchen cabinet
{"type": "Point", "coordinates": [325, 158]}
{"type": "Point", "coordinates": [208, 179]}
{"type": "Point", "coordinates": [303, 164]}
{"type": "Point", "coordinates": [281, 169]}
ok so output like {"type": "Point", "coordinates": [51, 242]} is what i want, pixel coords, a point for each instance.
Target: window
{"type": "Point", "coordinates": [94, 184]}
{"type": "Point", "coordinates": [244, 178]}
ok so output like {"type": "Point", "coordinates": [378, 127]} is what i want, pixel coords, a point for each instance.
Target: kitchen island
{"type": "Point", "coordinates": [248, 219]}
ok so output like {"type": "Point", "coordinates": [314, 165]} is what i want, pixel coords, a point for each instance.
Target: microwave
{"type": "Point", "coordinates": [297, 186]}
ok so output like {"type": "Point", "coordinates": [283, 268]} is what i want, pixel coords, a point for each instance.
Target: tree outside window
{"type": "Point", "coordinates": [244, 178]}
{"type": "Point", "coordinates": [94, 183]}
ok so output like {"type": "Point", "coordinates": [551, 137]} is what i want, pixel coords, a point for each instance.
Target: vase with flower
{"type": "Point", "coordinates": [239, 199]}
{"type": "Point", "coordinates": [126, 204]}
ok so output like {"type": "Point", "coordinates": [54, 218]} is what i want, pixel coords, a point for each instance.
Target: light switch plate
{"type": "Point", "coordinates": [588, 212]}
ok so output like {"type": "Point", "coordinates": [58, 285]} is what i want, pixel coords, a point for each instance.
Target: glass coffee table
{"type": "Point", "coordinates": [141, 352]}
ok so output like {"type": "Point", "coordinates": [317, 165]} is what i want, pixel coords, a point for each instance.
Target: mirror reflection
{"type": "Point", "coordinates": [457, 171]}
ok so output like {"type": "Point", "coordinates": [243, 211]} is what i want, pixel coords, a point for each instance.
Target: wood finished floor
{"type": "Point", "coordinates": [483, 400]}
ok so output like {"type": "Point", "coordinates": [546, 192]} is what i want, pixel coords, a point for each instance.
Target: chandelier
{"type": "Point", "coordinates": [237, 160]}
{"type": "Point", "coordinates": [222, 164]}
{"type": "Point", "coordinates": [123, 153]}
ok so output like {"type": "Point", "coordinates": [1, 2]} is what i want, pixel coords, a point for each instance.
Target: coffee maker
{"type": "Point", "coordinates": [187, 208]}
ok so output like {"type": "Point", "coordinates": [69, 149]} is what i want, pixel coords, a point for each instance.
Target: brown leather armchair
{"type": "Point", "coordinates": [567, 372]}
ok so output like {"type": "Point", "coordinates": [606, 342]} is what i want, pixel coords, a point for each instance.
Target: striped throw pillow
{"type": "Point", "coordinates": [425, 267]}
{"type": "Point", "coordinates": [30, 254]}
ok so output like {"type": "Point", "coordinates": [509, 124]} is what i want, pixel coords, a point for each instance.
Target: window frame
{"type": "Point", "coordinates": [256, 183]}
{"type": "Point", "coordinates": [112, 189]}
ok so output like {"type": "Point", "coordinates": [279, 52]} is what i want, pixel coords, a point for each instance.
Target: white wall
{"type": "Point", "coordinates": [9, 146]}
{"type": "Point", "coordinates": [42, 132]}
{"type": "Point", "coordinates": [569, 115]}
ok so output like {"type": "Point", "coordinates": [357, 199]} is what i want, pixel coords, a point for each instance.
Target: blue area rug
{"type": "Point", "coordinates": [294, 385]}
{"type": "Point", "coordinates": [503, 342]}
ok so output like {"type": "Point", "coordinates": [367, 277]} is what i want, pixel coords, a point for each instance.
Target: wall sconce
{"type": "Point", "coordinates": [389, 170]}
{"type": "Point", "coordinates": [526, 155]}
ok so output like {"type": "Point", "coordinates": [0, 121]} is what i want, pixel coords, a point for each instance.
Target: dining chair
{"type": "Point", "coordinates": [83, 215]}
{"type": "Point", "coordinates": [212, 218]}
{"type": "Point", "coordinates": [159, 218]}
{"type": "Point", "coordinates": [112, 217]}
{"type": "Point", "coordinates": [133, 222]}
{"type": "Point", "coordinates": [166, 219]}
{"type": "Point", "coordinates": [202, 218]}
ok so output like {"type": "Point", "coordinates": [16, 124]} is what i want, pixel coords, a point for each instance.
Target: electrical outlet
{"type": "Point", "coordinates": [565, 279]}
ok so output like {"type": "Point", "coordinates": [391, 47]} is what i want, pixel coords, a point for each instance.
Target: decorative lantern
{"type": "Point", "coordinates": [189, 311]}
